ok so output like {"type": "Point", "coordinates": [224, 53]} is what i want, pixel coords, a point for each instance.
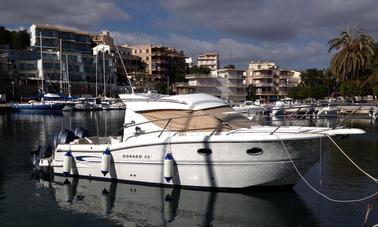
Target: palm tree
{"type": "Point", "coordinates": [354, 49]}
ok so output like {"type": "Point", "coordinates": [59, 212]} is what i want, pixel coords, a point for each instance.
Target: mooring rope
{"type": "Point", "coordinates": [364, 172]}
{"type": "Point", "coordinates": [317, 191]}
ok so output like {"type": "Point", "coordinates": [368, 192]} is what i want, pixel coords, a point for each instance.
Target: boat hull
{"type": "Point", "coordinates": [228, 166]}
{"type": "Point", "coordinates": [38, 107]}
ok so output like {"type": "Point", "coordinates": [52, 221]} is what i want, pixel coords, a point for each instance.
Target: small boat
{"type": "Point", "coordinates": [42, 106]}
{"type": "Point", "coordinates": [327, 111]}
{"type": "Point", "coordinates": [278, 108]}
{"type": "Point", "coordinates": [194, 140]}
{"type": "Point", "coordinates": [287, 106]}
{"type": "Point", "coordinates": [117, 105]}
{"type": "Point", "coordinates": [84, 104]}
{"type": "Point", "coordinates": [373, 113]}
{"type": "Point", "coordinates": [250, 108]}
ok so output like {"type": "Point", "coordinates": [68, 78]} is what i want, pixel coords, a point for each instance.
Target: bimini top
{"type": "Point", "coordinates": [151, 101]}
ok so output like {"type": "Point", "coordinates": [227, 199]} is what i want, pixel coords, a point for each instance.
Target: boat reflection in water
{"type": "Point", "coordinates": [136, 205]}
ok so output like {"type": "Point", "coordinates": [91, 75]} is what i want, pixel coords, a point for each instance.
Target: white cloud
{"type": "Point", "coordinates": [80, 14]}
{"type": "Point", "coordinates": [123, 38]}
{"type": "Point", "coordinates": [286, 55]}
{"type": "Point", "coordinates": [274, 20]}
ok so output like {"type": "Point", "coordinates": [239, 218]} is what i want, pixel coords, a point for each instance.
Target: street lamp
{"type": "Point", "coordinates": [12, 82]}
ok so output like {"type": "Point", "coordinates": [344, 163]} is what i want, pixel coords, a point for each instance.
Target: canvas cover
{"type": "Point", "coordinates": [198, 120]}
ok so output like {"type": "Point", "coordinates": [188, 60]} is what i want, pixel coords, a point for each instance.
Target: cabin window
{"type": "Point", "coordinates": [255, 151]}
{"type": "Point", "coordinates": [204, 151]}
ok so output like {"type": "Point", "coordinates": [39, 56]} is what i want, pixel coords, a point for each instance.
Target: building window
{"type": "Point", "coordinates": [147, 51]}
{"type": "Point", "coordinates": [147, 58]}
{"type": "Point", "coordinates": [140, 51]}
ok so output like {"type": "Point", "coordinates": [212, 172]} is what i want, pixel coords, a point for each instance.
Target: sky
{"type": "Point", "coordinates": [291, 33]}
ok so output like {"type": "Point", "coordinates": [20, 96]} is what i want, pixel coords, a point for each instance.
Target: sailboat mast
{"type": "Point", "coordinates": [42, 76]}
{"type": "Point", "coordinates": [103, 70]}
{"type": "Point", "coordinates": [124, 68]}
{"type": "Point", "coordinates": [60, 67]}
{"type": "Point", "coordinates": [96, 71]}
{"type": "Point", "coordinates": [68, 78]}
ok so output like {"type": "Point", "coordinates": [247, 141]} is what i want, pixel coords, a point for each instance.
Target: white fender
{"type": "Point", "coordinates": [67, 163]}
{"type": "Point", "coordinates": [105, 162]}
{"type": "Point", "coordinates": [168, 167]}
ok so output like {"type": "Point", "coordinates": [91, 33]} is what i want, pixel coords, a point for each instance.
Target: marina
{"type": "Point", "coordinates": [129, 204]}
{"type": "Point", "coordinates": [171, 114]}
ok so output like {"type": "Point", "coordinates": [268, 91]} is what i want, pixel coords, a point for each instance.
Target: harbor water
{"type": "Point", "coordinates": [28, 200]}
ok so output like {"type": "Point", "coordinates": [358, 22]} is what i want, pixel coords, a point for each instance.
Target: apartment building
{"type": "Point", "coordinates": [269, 81]}
{"type": "Point", "coordinates": [67, 64]}
{"type": "Point", "coordinates": [131, 62]}
{"type": "Point", "coordinates": [162, 64]}
{"type": "Point", "coordinates": [103, 38]}
{"type": "Point", "coordinates": [209, 60]}
{"type": "Point", "coordinates": [19, 71]}
{"type": "Point", "coordinates": [226, 84]}
{"type": "Point", "coordinates": [54, 37]}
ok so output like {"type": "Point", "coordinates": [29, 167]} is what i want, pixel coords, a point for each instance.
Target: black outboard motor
{"type": "Point", "coordinates": [81, 132]}
{"type": "Point", "coordinates": [64, 136]}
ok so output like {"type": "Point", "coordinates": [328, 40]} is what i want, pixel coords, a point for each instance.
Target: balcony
{"type": "Point", "coordinates": [283, 93]}
{"type": "Point", "coordinates": [285, 85]}
{"type": "Point", "coordinates": [231, 85]}
{"type": "Point", "coordinates": [263, 84]}
{"type": "Point", "coordinates": [261, 76]}
{"type": "Point", "coordinates": [197, 76]}
{"type": "Point", "coordinates": [264, 93]}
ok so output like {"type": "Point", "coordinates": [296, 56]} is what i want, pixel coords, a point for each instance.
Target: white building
{"type": "Point", "coordinates": [223, 83]}
{"type": "Point", "coordinates": [269, 81]}
{"type": "Point", "coordinates": [209, 60]}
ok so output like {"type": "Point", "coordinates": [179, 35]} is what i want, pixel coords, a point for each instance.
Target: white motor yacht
{"type": "Point", "coordinates": [287, 106]}
{"type": "Point", "coordinates": [328, 111]}
{"type": "Point", "coordinates": [249, 108]}
{"type": "Point", "coordinates": [194, 140]}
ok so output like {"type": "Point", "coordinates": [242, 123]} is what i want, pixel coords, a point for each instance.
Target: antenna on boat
{"type": "Point", "coordinates": [124, 68]}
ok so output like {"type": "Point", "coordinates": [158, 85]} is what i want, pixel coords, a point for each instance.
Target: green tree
{"type": "Point", "coordinates": [312, 77]}
{"type": "Point", "coordinates": [299, 92]}
{"type": "Point", "coordinates": [318, 91]}
{"type": "Point", "coordinates": [20, 39]}
{"type": "Point", "coordinates": [314, 84]}
{"type": "Point", "coordinates": [354, 50]}
{"type": "Point", "coordinates": [375, 90]}
{"type": "Point", "coordinates": [198, 70]}
{"type": "Point", "coordinates": [369, 84]}
{"type": "Point", "coordinates": [15, 39]}
{"type": "Point", "coordinates": [5, 36]}
{"type": "Point", "coordinates": [351, 88]}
